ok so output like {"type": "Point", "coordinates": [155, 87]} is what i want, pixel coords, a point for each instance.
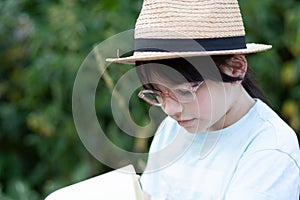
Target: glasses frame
{"type": "Point", "coordinates": [193, 89]}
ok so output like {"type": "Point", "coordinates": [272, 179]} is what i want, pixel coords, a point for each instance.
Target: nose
{"type": "Point", "coordinates": [171, 107]}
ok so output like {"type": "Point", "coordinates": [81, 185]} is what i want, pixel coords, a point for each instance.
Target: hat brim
{"type": "Point", "coordinates": [146, 56]}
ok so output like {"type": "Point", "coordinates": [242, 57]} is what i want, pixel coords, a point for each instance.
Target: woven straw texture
{"type": "Point", "coordinates": [189, 19]}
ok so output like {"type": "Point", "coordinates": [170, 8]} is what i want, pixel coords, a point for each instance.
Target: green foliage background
{"type": "Point", "coordinates": [42, 45]}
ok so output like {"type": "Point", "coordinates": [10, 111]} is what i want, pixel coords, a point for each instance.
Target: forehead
{"type": "Point", "coordinates": [176, 71]}
{"type": "Point", "coordinates": [167, 76]}
{"type": "Point", "coordinates": [172, 72]}
{"type": "Point", "coordinates": [169, 87]}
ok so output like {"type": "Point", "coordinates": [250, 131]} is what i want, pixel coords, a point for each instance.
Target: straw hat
{"type": "Point", "coordinates": [183, 28]}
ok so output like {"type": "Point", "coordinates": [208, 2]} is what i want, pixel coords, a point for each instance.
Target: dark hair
{"type": "Point", "coordinates": [251, 86]}
{"type": "Point", "coordinates": [178, 70]}
{"type": "Point", "coordinates": [249, 81]}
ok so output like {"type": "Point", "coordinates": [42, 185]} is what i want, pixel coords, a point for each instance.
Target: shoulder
{"type": "Point", "coordinates": [266, 114]}
{"type": "Point", "coordinates": [269, 167]}
{"type": "Point", "coordinates": [271, 125]}
{"type": "Point", "coordinates": [271, 133]}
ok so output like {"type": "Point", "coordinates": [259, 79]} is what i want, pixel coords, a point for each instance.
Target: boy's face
{"type": "Point", "coordinates": [216, 105]}
{"type": "Point", "coordinates": [207, 112]}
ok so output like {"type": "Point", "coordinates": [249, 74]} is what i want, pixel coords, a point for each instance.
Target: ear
{"type": "Point", "coordinates": [236, 66]}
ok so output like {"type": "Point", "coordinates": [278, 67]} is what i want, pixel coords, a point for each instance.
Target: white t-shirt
{"type": "Point", "coordinates": [256, 158]}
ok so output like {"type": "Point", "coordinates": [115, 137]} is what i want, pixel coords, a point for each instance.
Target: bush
{"type": "Point", "coordinates": [43, 43]}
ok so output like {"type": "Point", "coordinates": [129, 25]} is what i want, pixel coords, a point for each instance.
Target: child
{"type": "Point", "coordinates": [220, 140]}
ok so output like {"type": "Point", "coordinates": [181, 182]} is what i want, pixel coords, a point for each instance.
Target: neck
{"type": "Point", "coordinates": [237, 109]}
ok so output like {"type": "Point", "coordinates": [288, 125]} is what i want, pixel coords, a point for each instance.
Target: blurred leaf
{"type": "Point", "coordinates": [290, 74]}
{"type": "Point", "coordinates": [42, 45]}
{"type": "Point", "coordinates": [290, 110]}
{"type": "Point", "coordinates": [21, 190]}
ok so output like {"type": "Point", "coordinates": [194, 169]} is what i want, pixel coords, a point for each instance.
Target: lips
{"type": "Point", "coordinates": [186, 123]}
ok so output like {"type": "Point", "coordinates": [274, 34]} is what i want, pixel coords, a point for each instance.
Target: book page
{"type": "Point", "coordinates": [115, 185]}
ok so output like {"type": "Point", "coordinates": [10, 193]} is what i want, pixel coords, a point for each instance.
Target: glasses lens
{"type": "Point", "coordinates": [151, 97]}
{"type": "Point", "coordinates": [183, 95]}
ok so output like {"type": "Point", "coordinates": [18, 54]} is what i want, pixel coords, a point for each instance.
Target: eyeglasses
{"type": "Point", "coordinates": [181, 95]}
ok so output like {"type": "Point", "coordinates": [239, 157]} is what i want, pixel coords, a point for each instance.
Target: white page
{"type": "Point", "coordinates": [114, 185]}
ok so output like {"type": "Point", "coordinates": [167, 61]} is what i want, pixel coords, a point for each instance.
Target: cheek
{"type": "Point", "coordinates": [203, 104]}
{"type": "Point", "coordinates": [210, 101]}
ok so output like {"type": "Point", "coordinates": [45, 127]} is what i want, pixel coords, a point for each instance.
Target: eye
{"type": "Point", "coordinates": [182, 92]}
{"type": "Point", "coordinates": [156, 90]}
{"type": "Point", "coordinates": [153, 87]}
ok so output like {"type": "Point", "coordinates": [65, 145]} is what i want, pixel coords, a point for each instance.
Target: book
{"type": "Point", "coordinates": [122, 183]}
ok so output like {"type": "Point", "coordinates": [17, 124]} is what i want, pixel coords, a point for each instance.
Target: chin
{"type": "Point", "coordinates": [193, 126]}
{"type": "Point", "coordinates": [194, 130]}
